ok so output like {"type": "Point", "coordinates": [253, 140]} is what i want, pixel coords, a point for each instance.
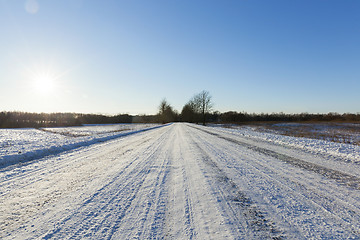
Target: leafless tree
{"type": "Point", "coordinates": [203, 103]}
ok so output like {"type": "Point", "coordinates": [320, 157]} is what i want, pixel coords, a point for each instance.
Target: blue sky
{"type": "Point", "coordinates": [125, 56]}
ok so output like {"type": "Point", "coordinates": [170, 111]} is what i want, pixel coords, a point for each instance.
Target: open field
{"type": "Point", "coordinates": [179, 181]}
{"type": "Point", "coordinates": [329, 131]}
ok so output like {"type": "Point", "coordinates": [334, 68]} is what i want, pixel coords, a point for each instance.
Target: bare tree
{"type": "Point", "coordinates": [203, 103]}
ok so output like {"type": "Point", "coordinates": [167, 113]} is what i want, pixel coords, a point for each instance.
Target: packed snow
{"type": "Point", "coordinates": [180, 181]}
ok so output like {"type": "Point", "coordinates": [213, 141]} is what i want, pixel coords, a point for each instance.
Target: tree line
{"type": "Point", "coordinates": [36, 120]}
{"type": "Point", "coordinates": [243, 117]}
{"type": "Point", "coordinates": [199, 109]}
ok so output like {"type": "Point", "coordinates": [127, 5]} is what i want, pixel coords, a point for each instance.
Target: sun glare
{"type": "Point", "coordinates": [45, 81]}
{"type": "Point", "coordinates": [44, 84]}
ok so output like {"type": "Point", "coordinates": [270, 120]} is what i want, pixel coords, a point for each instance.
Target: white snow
{"type": "Point", "coordinates": [21, 145]}
{"type": "Point", "coordinates": [347, 152]}
{"type": "Point", "coordinates": [180, 181]}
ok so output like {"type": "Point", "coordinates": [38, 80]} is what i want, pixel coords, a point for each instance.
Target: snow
{"type": "Point", "coordinates": [181, 181]}
{"type": "Point", "coordinates": [22, 145]}
{"type": "Point", "coordinates": [346, 152]}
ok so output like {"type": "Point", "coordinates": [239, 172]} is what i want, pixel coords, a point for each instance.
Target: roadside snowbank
{"type": "Point", "coordinates": [22, 145]}
{"type": "Point", "coordinates": [347, 152]}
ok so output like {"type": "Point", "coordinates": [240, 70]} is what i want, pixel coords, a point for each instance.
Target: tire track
{"type": "Point", "coordinates": [188, 208]}
{"type": "Point", "coordinates": [241, 209]}
{"type": "Point", "coordinates": [179, 194]}
{"type": "Point", "coordinates": [17, 181]}
{"type": "Point", "coordinates": [42, 199]}
{"type": "Point", "coordinates": [193, 211]}
{"type": "Point", "coordinates": [111, 203]}
{"type": "Point", "coordinates": [97, 168]}
{"type": "Point", "coordinates": [322, 200]}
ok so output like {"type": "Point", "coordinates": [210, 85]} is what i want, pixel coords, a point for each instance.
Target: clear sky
{"type": "Point", "coordinates": [119, 56]}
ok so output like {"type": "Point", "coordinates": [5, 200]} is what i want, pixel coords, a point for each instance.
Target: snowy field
{"type": "Point", "coordinates": [21, 145]}
{"type": "Point", "coordinates": [275, 134]}
{"type": "Point", "coordinates": [178, 181]}
{"type": "Point", "coordinates": [335, 132]}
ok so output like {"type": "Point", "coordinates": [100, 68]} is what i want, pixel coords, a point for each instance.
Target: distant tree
{"type": "Point", "coordinates": [198, 108]}
{"type": "Point", "coordinates": [203, 103]}
{"type": "Point", "coordinates": [166, 113]}
{"type": "Point", "coordinates": [188, 113]}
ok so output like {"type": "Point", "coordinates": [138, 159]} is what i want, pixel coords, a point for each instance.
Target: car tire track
{"type": "Point", "coordinates": [339, 218]}
{"type": "Point", "coordinates": [240, 208]}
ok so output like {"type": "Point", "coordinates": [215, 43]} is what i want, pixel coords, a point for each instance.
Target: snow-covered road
{"type": "Point", "coordinates": [182, 181]}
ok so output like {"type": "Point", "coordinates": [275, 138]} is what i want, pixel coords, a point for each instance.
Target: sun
{"type": "Point", "coordinates": [44, 83]}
